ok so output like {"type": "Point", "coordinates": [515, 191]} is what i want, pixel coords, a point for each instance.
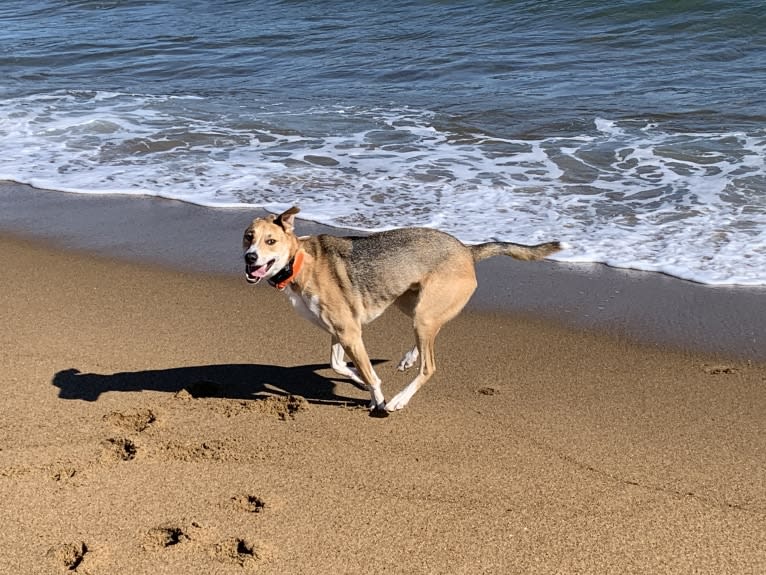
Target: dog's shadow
{"type": "Point", "coordinates": [229, 381]}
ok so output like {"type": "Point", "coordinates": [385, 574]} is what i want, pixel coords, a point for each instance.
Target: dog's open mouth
{"type": "Point", "coordinates": [254, 274]}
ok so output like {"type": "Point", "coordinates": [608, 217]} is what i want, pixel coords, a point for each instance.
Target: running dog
{"type": "Point", "coordinates": [343, 283]}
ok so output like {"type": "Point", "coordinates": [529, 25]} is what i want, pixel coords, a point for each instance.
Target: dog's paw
{"type": "Point", "coordinates": [379, 411]}
{"type": "Point", "coordinates": [397, 402]}
{"type": "Point", "coordinates": [404, 365]}
{"type": "Point", "coordinates": [409, 359]}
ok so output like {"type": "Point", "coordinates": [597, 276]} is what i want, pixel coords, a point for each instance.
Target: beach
{"type": "Point", "coordinates": [600, 412]}
{"type": "Point", "coordinates": [162, 416]}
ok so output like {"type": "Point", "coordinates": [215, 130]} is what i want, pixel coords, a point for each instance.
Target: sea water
{"type": "Point", "coordinates": [633, 130]}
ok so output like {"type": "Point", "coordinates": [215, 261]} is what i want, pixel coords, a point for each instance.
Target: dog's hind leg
{"type": "Point", "coordinates": [441, 299]}
{"type": "Point", "coordinates": [407, 303]}
{"type": "Point", "coordinates": [425, 335]}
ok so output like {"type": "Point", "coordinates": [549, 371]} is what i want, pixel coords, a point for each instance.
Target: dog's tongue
{"type": "Point", "coordinates": [258, 272]}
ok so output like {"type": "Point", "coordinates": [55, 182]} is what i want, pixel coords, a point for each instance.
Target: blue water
{"type": "Point", "coordinates": [633, 130]}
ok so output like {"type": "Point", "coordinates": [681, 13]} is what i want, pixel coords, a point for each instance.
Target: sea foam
{"type": "Point", "coordinates": [630, 193]}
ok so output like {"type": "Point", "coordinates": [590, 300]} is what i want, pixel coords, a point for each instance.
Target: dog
{"type": "Point", "coordinates": [343, 283]}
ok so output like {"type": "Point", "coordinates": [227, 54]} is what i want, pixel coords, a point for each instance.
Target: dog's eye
{"type": "Point", "coordinates": [271, 242]}
{"type": "Point", "coordinates": [249, 237]}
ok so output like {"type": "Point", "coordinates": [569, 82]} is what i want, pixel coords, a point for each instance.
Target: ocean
{"type": "Point", "coordinates": [633, 130]}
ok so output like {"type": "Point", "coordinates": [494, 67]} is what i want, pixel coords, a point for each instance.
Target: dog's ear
{"type": "Point", "coordinates": [286, 220]}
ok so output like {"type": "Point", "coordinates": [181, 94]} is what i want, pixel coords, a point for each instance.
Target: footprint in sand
{"type": "Point", "coordinates": [63, 473]}
{"type": "Point", "coordinates": [240, 551]}
{"type": "Point", "coordinates": [248, 503]}
{"type": "Point", "coordinates": [167, 536]}
{"type": "Point", "coordinates": [136, 421]}
{"type": "Point", "coordinates": [719, 369]}
{"type": "Point", "coordinates": [118, 449]}
{"type": "Point", "coordinates": [284, 407]}
{"type": "Point", "coordinates": [68, 556]}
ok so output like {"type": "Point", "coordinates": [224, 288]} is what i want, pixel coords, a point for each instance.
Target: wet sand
{"type": "Point", "coordinates": [644, 307]}
{"type": "Point", "coordinates": [164, 417]}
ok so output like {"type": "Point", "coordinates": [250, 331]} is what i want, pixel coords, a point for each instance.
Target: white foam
{"type": "Point", "coordinates": [628, 194]}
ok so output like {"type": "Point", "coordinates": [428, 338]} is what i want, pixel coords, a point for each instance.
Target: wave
{"type": "Point", "coordinates": [630, 192]}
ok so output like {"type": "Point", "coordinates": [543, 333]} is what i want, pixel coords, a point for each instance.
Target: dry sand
{"type": "Point", "coordinates": [155, 421]}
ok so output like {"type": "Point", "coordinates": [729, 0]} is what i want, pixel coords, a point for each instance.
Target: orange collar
{"type": "Point", "coordinates": [287, 274]}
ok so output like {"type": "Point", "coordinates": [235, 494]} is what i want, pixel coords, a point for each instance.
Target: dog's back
{"type": "Point", "coordinates": [384, 265]}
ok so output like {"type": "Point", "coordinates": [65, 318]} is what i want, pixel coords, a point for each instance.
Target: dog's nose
{"type": "Point", "coordinates": [251, 258]}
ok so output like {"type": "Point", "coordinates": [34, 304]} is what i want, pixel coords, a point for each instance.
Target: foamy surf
{"type": "Point", "coordinates": [630, 193]}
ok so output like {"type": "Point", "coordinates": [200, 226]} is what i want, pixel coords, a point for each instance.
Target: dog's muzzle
{"type": "Point", "coordinates": [254, 272]}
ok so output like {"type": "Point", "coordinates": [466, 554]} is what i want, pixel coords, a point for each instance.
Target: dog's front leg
{"type": "Point", "coordinates": [351, 342]}
{"type": "Point", "coordinates": [339, 365]}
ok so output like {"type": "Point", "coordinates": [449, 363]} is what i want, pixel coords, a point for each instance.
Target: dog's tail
{"type": "Point", "coordinates": [518, 251]}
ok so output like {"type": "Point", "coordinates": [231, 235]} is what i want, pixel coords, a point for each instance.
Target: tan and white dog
{"type": "Point", "coordinates": [343, 283]}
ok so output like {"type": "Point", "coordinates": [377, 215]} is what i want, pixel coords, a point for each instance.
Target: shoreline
{"type": "Point", "coordinates": [645, 307]}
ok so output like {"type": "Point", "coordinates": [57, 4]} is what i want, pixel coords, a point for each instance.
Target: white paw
{"type": "Point", "coordinates": [409, 359]}
{"type": "Point", "coordinates": [396, 403]}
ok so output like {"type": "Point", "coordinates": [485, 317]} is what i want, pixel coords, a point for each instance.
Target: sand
{"type": "Point", "coordinates": [161, 420]}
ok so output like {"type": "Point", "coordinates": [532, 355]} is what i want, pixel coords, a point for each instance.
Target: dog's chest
{"type": "Point", "coordinates": [308, 308]}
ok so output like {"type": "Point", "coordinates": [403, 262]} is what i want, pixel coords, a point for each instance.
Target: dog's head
{"type": "Point", "coordinates": [269, 243]}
